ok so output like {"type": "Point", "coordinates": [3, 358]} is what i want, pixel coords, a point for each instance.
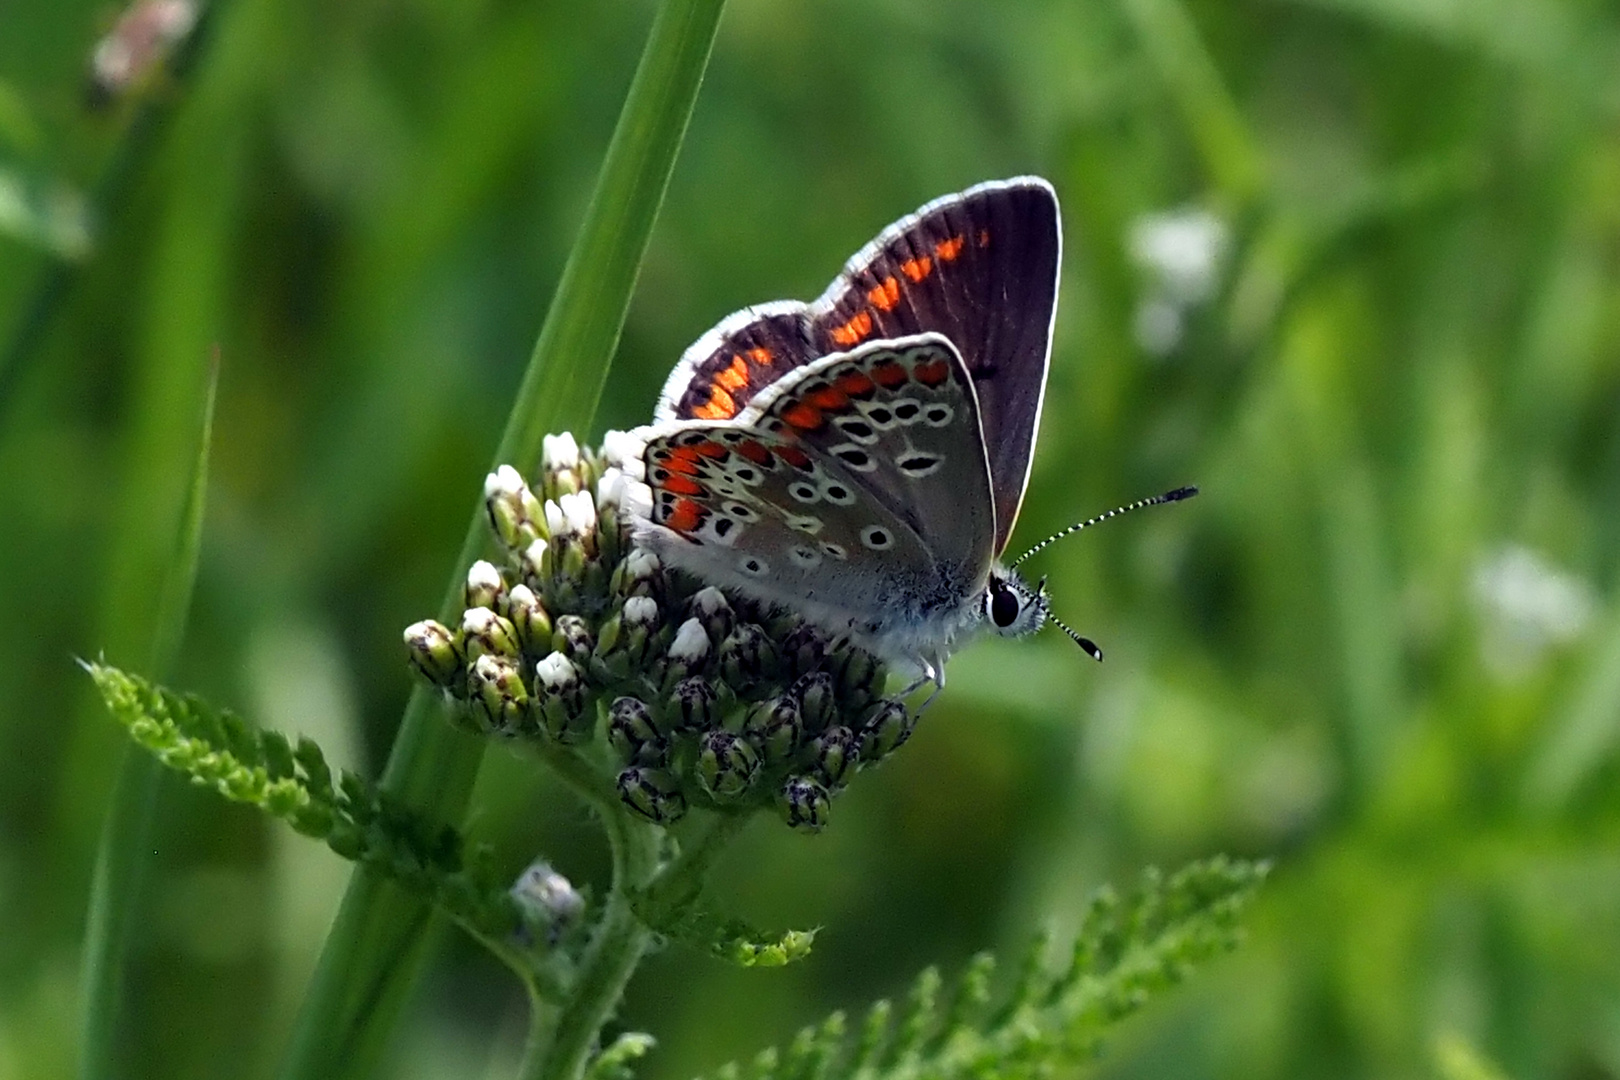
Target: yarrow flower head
{"type": "Point", "coordinates": [576, 638]}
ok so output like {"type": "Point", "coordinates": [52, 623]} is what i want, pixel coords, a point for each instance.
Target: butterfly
{"type": "Point", "coordinates": [860, 459]}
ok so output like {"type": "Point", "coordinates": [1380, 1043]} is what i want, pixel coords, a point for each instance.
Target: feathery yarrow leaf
{"type": "Point", "coordinates": [724, 938]}
{"type": "Point", "coordinates": [362, 823]}
{"type": "Point", "coordinates": [1055, 1013]}
{"type": "Point", "coordinates": [614, 1062]}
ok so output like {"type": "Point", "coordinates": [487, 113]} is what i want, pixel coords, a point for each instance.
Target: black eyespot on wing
{"type": "Point", "coordinates": [858, 459]}
{"type": "Point", "coordinates": [1003, 608]}
{"type": "Point", "coordinates": [906, 411]}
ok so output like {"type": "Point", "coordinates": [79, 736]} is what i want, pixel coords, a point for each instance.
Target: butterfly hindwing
{"type": "Point", "coordinates": [819, 497]}
{"type": "Point", "coordinates": [980, 267]}
{"type": "Point", "coordinates": [902, 418]}
{"type": "Point", "coordinates": [760, 513]}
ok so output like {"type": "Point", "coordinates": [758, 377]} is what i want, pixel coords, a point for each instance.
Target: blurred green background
{"type": "Point", "coordinates": [1351, 265]}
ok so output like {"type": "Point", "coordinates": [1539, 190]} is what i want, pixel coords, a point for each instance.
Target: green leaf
{"type": "Point", "coordinates": [1053, 1015]}
{"type": "Point", "coordinates": [360, 822]}
{"type": "Point", "coordinates": [723, 938]}
{"type": "Point", "coordinates": [614, 1062]}
{"type": "Point", "coordinates": [122, 852]}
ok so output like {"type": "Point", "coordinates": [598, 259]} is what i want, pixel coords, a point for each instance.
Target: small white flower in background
{"type": "Point", "coordinates": [558, 452]}
{"type": "Point", "coordinates": [1182, 253]}
{"type": "Point", "coordinates": [1183, 249]}
{"type": "Point", "coordinates": [640, 611]}
{"type": "Point", "coordinates": [1528, 605]}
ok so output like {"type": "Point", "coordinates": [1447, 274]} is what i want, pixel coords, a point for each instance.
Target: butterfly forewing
{"type": "Point", "coordinates": [820, 496]}
{"type": "Point", "coordinates": [980, 268]}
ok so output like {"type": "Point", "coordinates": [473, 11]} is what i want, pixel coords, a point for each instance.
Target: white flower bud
{"type": "Point", "coordinates": [691, 642]}
{"type": "Point", "coordinates": [579, 512]}
{"type": "Point", "coordinates": [504, 481]}
{"type": "Point", "coordinates": [556, 524]}
{"type": "Point", "coordinates": [610, 488]}
{"type": "Point", "coordinates": [559, 452]}
{"type": "Point", "coordinates": [640, 611]}
{"type": "Point", "coordinates": [623, 450]}
{"type": "Point", "coordinates": [556, 672]}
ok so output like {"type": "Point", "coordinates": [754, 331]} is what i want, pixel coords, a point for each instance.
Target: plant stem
{"type": "Point", "coordinates": [560, 1043]}
{"type": "Point", "coordinates": [374, 948]}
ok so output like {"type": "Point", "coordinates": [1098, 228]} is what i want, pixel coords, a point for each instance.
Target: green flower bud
{"type": "Point", "coordinates": [515, 515]}
{"type": "Point", "coordinates": [529, 620]}
{"type": "Point", "coordinates": [726, 765]}
{"type": "Point", "coordinates": [560, 692]}
{"type": "Point", "coordinates": [817, 702]}
{"type": "Point", "coordinates": [485, 588]}
{"type": "Point", "coordinates": [653, 794]}
{"type": "Point", "coordinates": [571, 636]}
{"type": "Point", "coordinates": [561, 465]}
{"type": "Point", "coordinates": [859, 675]}
{"type": "Point", "coordinates": [774, 727]}
{"type": "Point", "coordinates": [693, 706]}
{"type": "Point", "coordinates": [627, 638]}
{"type": "Point", "coordinates": [432, 650]}
{"type": "Point", "coordinates": [495, 690]}
{"type": "Point", "coordinates": [834, 753]}
{"type": "Point", "coordinates": [804, 803]}
{"type": "Point", "coordinates": [709, 607]}
{"type": "Point", "coordinates": [803, 648]}
{"type": "Point", "coordinates": [485, 633]}
{"type": "Point", "coordinates": [747, 657]}
{"type": "Point", "coordinates": [633, 734]}
{"type": "Point", "coordinates": [889, 725]}
{"type": "Point", "coordinates": [640, 574]}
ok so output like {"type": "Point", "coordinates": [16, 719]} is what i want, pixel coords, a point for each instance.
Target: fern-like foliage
{"type": "Point", "coordinates": [1055, 1012]}
{"type": "Point", "coordinates": [357, 820]}
{"type": "Point", "coordinates": [725, 938]}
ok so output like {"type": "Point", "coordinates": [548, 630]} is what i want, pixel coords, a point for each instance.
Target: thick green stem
{"type": "Point", "coordinates": [560, 1044]}
{"type": "Point", "coordinates": [375, 947]}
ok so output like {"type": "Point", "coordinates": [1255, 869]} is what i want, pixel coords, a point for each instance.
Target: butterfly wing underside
{"type": "Point", "coordinates": [856, 491]}
{"type": "Point", "coordinates": [980, 267]}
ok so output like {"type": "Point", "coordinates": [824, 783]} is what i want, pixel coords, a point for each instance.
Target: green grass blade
{"type": "Point", "coordinates": [375, 946]}
{"type": "Point", "coordinates": [122, 856]}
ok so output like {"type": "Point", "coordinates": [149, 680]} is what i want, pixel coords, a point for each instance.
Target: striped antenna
{"type": "Point", "coordinates": [1168, 497]}
{"type": "Point", "coordinates": [1085, 643]}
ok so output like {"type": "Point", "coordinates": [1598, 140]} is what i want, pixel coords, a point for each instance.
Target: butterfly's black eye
{"type": "Point", "coordinates": [1003, 607]}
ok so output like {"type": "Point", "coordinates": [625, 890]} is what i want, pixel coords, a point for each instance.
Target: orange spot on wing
{"type": "Point", "coordinates": [828, 397]}
{"type": "Point", "coordinates": [709, 450]}
{"type": "Point", "coordinates": [852, 331]}
{"type": "Point", "coordinates": [683, 485]}
{"type": "Point", "coordinates": [886, 295]}
{"type": "Point", "coordinates": [686, 516]}
{"type": "Point", "coordinates": [948, 249]}
{"type": "Point", "coordinates": [889, 375]}
{"type": "Point", "coordinates": [918, 268]}
{"type": "Point", "coordinates": [760, 356]}
{"type": "Point", "coordinates": [734, 376]}
{"type": "Point", "coordinates": [932, 372]}
{"type": "Point", "coordinates": [855, 384]}
{"type": "Point", "coordinates": [754, 452]}
{"type": "Point", "coordinates": [682, 463]}
{"type": "Point", "coordinates": [720, 406]}
{"type": "Point", "coordinates": [803, 416]}
{"type": "Point", "coordinates": [793, 456]}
